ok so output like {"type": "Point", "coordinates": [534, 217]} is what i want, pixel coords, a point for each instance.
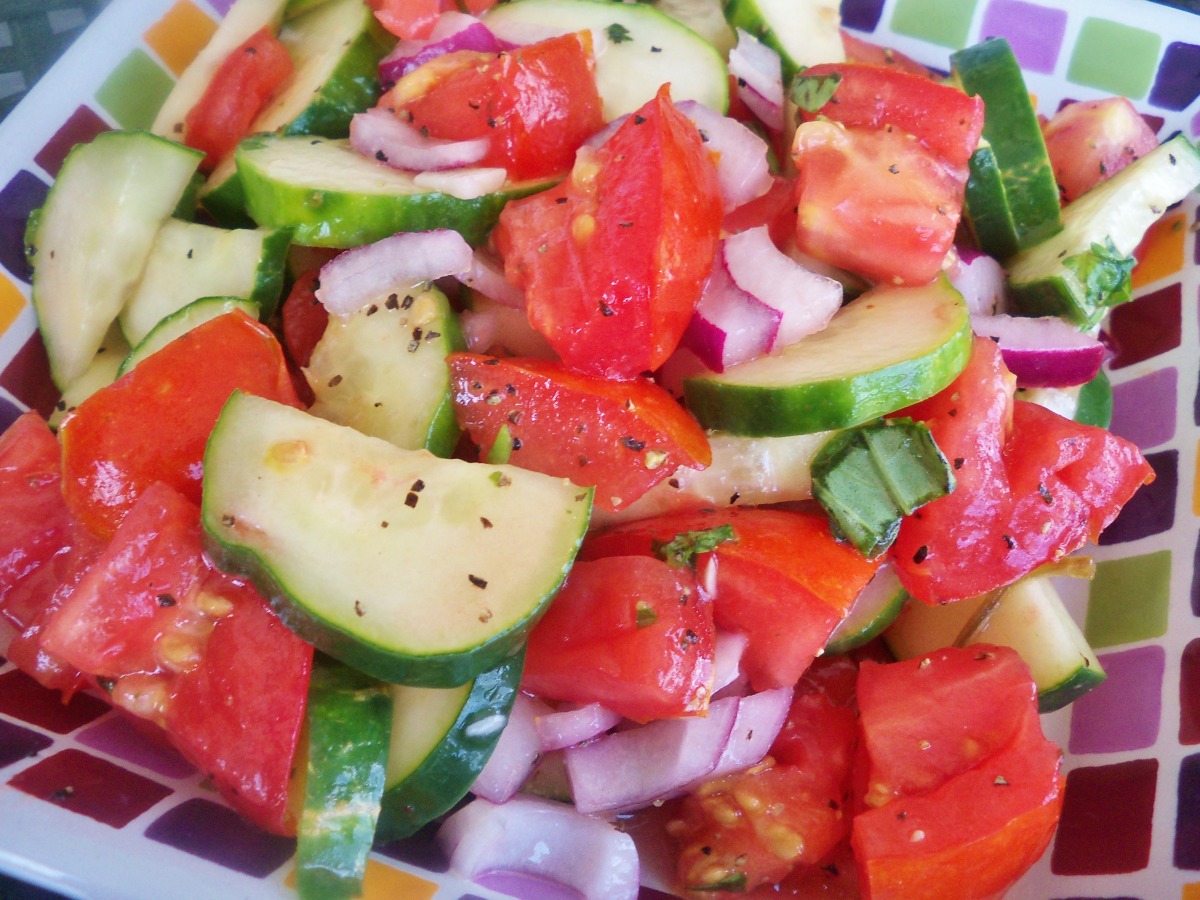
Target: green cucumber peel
{"type": "Point", "coordinates": [869, 477]}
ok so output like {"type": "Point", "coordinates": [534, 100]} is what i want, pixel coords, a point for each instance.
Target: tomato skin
{"type": "Point", "coordinates": [942, 117]}
{"type": "Point", "coordinates": [623, 438]}
{"type": "Point", "coordinates": [973, 836]}
{"type": "Point", "coordinates": [152, 423]}
{"type": "Point", "coordinates": [534, 104]}
{"type": "Point", "coordinates": [304, 318]}
{"type": "Point", "coordinates": [875, 201]}
{"type": "Point", "coordinates": [1091, 141]}
{"type": "Point", "coordinates": [1030, 486]}
{"type": "Point", "coordinates": [936, 703]}
{"type": "Point", "coordinates": [182, 645]}
{"type": "Point", "coordinates": [860, 51]}
{"type": "Point", "coordinates": [632, 633]}
{"type": "Point", "coordinates": [238, 91]}
{"type": "Point", "coordinates": [785, 581]}
{"type": "Point", "coordinates": [613, 260]}
{"type": "Point", "coordinates": [414, 19]}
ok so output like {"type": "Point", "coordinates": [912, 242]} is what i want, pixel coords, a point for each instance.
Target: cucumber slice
{"type": "Point", "coordinates": [638, 49]}
{"type": "Point", "coordinates": [94, 236]}
{"type": "Point", "coordinates": [1021, 206]}
{"type": "Point", "coordinates": [182, 321]}
{"type": "Point", "coordinates": [335, 48]}
{"type": "Point", "coordinates": [441, 740]}
{"type": "Point", "coordinates": [744, 472]}
{"type": "Point", "coordinates": [223, 198]}
{"type": "Point", "coordinates": [704, 17]}
{"type": "Point", "coordinates": [244, 18]}
{"type": "Point", "coordinates": [889, 348]}
{"type": "Point", "coordinates": [383, 371]}
{"type": "Point", "coordinates": [191, 260]}
{"type": "Point", "coordinates": [803, 32]}
{"type": "Point", "coordinates": [873, 611]}
{"type": "Point", "coordinates": [332, 196]}
{"type": "Point", "coordinates": [103, 370]}
{"type": "Point", "coordinates": [349, 726]}
{"type": "Point", "coordinates": [394, 561]}
{"type": "Point", "coordinates": [1119, 210]}
{"type": "Point", "coordinates": [1029, 616]}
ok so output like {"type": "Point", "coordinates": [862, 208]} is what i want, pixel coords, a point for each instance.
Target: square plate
{"type": "Point", "coordinates": [138, 822]}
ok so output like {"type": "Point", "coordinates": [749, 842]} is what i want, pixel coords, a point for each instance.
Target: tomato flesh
{"type": "Point", "coordinates": [1031, 486]}
{"type": "Point", "coordinates": [632, 633]}
{"type": "Point", "coordinates": [534, 105]}
{"type": "Point", "coordinates": [238, 91]}
{"type": "Point", "coordinates": [303, 318]}
{"type": "Point", "coordinates": [875, 201]}
{"type": "Point", "coordinates": [152, 423]}
{"type": "Point", "coordinates": [612, 260]}
{"type": "Point", "coordinates": [622, 438]}
{"type": "Point", "coordinates": [1091, 141]}
{"type": "Point", "coordinates": [785, 581]}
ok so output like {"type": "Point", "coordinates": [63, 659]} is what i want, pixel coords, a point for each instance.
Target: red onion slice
{"type": "Point", "coordinates": [380, 134]}
{"type": "Point", "coordinates": [630, 769]}
{"type": "Point", "coordinates": [759, 718]}
{"type": "Point", "coordinates": [467, 183]}
{"type": "Point", "coordinates": [727, 658]}
{"type": "Point", "coordinates": [489, 327]}
{"type": "Point", "coordinates": [1045, 351]}
{"type": "Point", "coordinates": [543, 838]}
{"type": "Point", "coordinates": [729, 325]}
{"type": "Point", "coordinates": [759, 74]}
{"type": "Point", "coordinates": [568, 727]}
{"type": "Point", "coordinates": [516, 752]}
{"type": "Point", "coordinates": [804, 300]}
{"type": "Point", "coordinates": [981, 281]}
{"type": "Point", "coordinates": [454, 31]}
{"type": "Point", "coordinates": [742, 168]}
{"type": "Point", "coordinates": [356, 278]}
{"type": "Point", "coordinates": [487, 277]}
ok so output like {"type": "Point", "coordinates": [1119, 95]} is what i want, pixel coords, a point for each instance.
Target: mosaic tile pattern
{"type": "Point", "coordinates": [1133, 784]}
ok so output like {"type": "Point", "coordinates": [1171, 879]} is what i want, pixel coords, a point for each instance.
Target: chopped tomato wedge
{"type": "Point", "coordinates": [939, 115]}
{"type": "Point", "coordinates": [152, 423]}
{"type": "Point", "coordinates": [534, 104]}
{"type": "Point", "coordinates": [975, 833]}
{"type": "Point", "coordinates": [621, 437]}
{"type": "Point", "coordinates": [935, 704]}
{"type": "Point", "coordinates": [237, 93]}
{"type": "Point", "coordinates": [632, 633]}
{"type": "Point", "coordinates": [303, 317]}
{"type": "Point", "coordinates": [1031, 486]}
{"type": "Point", "coordinates": [784, 580]}
{"type": "Point", "coordinates": [874, 201]}
{"type": "Point", "coordinates": [612, 261]}
{"type": "Point", "coordinates": [1091, 141]}
{"type": "Point", "coordinates": [860, 51]}
{"type": "Point", "coordinates": [414, 19]}
{"type": "Point", "coordinates": [175, 641]}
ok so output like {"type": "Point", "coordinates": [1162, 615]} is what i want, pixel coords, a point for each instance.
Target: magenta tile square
{"type": "Point", "coordinates": [1144, 408]}
{"type": "Point", "coordinates": [118, 737]}
{"type": "Point", "coordinates": [80, 128]}
{"type": "Point", "coordinates": [1125, 711]}
{"type": "Point", "coordinates": [23, 698]}
{"type": "Point", "coordinates": [1107, 817]}
{"type": "Point", "coordinates": [27, 377]}
{"type": "Point", "coordinates": [1034, 32]}
{"type": "Point", "coordinates": [1149, 326]}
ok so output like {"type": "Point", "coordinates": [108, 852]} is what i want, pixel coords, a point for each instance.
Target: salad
{"type": "Point", "coordinates": [632, 390]}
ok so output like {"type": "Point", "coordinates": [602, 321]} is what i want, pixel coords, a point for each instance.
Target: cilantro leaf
{"type": "Point", "coordinates": [618, 33]}
{"type": "Point", "coordinates": [1104, 273]}
{"type": "Point", "coordinates": [811, 92]}
{"type": "Point", "coordinates": [684, 547]}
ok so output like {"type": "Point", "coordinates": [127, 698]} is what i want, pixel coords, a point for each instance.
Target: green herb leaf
{"type": "Point", "coordinates": [645, 615]}
{"type": "Point", "coordinates": [869, 477]}
{"type": "Point", "coordinates": [734, 884]}
{"type": "Point", "coordinates": [501, 450]}
{"type": "Point", "coordinates": [1104, 273]}
{"type": "Point", "coordinates": [811, 92]}
{"type": "Point", "coordinates": [618, 33]}
{"type": "Point", "coordinates": [683, 548]}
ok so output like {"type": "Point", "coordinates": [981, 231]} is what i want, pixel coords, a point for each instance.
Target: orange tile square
{"type": "Point", "coordinates": [383, 882]}
{"type": "Point", "coordinates": [1161, 252]}
{"type": "Point", "coordinates": [12, 301]}
{"type": "Point", "coordinates": [180, 34]}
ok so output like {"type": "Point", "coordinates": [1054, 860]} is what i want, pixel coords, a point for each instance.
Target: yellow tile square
{"type": "Point", "coordinates": [1161, 252]}
{"type": "Point", "coordinates": [12, 301]}
{"type": "Point", "coordinates": [180, 34]}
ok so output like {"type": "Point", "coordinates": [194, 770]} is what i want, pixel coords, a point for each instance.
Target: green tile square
{"type": "Point", "coordinates": [1128, 599]}
{"type": "Point", "coordinates": [1114, 58]}
{"type": "Point", "coordinates": [135, 90]}
{"type": "Point", "coordinates": [943, 22]}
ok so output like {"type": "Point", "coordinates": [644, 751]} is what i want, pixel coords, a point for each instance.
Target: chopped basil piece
{"type": "Point", "coordinates": [683, 548]}
{"type": "Point", "coordinates": [1104, 272]}
{"type": "Point", "coordinates": [869, 477]}
{"type": "Point", "coordinates": [811, 92]}
{"type": "Point", "coordinates": [618, 33]}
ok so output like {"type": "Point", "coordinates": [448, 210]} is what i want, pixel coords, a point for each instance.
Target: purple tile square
{"type": "Point", "coordinates": [217, 833]}
{"type": "Point", "coordinates": [117, 737]}
{"type": "Point", "coordinates": [1144, 408]}
{"type": "Point", "coordinates": [220, 7]}
{"type": "Point", "coordinates": [21, 196]}
{"type": "Point", "coordinates": [9, 413]}
{"type": "Point", "coordinates": [1152, 509]}
{"type": "Point", "coordinates": [1177, 82]}
{"type": "Point", "coordinates": [1034, 32]}
{"type": "Point", "coordinates": [17, 743]}
{"type": "Point", "coordinates": [862, 15]}
{"type": "Point", "coordinates": [1187, 815]}
{"type": "Point", "coordinates": [1125, 711]}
